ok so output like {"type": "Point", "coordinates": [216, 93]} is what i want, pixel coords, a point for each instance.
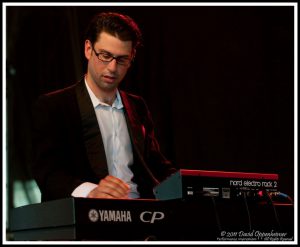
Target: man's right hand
{"type": "Point", "coordinates": [110, 187]}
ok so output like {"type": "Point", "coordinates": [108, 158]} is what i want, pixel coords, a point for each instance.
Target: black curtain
{"type": "Point", "coordinates": [219, 81]}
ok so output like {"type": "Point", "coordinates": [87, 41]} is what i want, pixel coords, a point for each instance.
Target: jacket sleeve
{"type": "Point", "coordinates": [51, 165]}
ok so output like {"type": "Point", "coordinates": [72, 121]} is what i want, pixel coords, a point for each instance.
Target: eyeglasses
{"type": "Point", "coordinates": [107, 57]}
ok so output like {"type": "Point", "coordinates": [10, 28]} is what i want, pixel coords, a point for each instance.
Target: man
{"type": "Point", "coordinates": [91, 139]}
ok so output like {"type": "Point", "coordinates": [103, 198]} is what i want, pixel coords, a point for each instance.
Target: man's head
{"type": "Point", "coordinates": [110, 46]}
{"type": "Point", "coordinates": [118, 25]}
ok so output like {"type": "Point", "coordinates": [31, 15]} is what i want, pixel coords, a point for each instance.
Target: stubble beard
{"type": "Point", "coordinates": [107, 87]}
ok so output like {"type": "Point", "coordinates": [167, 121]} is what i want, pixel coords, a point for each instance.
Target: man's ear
{"type": "Point", "coordinates": [88, 49]}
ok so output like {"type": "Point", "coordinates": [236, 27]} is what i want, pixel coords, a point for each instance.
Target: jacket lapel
{"type": "Point", "coordinates": [137, 133]}
{"type": "Point", "coordinates": [135, 127]}
{"type": "Point", "coordinates": [91, 131]}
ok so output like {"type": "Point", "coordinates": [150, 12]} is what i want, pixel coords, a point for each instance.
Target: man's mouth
{"type": "Point", "coordinates": [109, 79]}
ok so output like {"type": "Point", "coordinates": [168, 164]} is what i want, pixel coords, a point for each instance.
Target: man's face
{"type": "Point", "coordinates": [107, 75]}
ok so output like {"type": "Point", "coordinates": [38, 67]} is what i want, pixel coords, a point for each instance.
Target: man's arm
{"type": "Point", "coordinates": [51, 167]}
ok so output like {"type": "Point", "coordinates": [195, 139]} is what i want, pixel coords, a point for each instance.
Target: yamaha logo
{"type": "Point", "coordinates": [110, 215]}
{"type": "Point", "coordinates": [124, 216]}
{"type": "Point", "coordinates": [93, 215]}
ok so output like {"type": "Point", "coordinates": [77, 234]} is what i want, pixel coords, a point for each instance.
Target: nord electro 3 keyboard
{"type": "Point", "coordinates": [192, 184]}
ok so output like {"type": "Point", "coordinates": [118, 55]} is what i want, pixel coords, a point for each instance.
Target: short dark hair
{"type": "Point", "coordinates": [118, 25]}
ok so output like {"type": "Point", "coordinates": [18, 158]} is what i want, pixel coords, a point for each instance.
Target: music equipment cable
{"type": "Point", "coordinates": [273, 207]}
{"type": "Point", "coordinates": [155, 181]}
{"type": "Point", "coordinates": [280, 196]}
{"type": "Point", "coordinates": [216, 213]}
{"type": "Point", "coordinates": [248, 211]}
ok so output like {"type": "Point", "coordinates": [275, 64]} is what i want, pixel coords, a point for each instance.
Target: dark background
{"type": "Point", "coordinates": [219, 81]}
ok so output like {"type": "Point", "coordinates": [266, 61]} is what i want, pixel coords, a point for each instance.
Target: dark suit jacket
{"type": "Point", "coordinates": [69, 149]}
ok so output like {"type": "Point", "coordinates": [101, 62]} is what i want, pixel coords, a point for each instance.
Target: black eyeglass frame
{"type": "Point", "coordinates": [127, 61]}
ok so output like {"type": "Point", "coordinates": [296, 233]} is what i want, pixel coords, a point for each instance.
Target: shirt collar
{"type": "Point", "coordinates": [116, 104]}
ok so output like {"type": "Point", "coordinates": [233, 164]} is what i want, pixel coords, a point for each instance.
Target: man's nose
{"type": "Point", "coordinates": [112, 65]}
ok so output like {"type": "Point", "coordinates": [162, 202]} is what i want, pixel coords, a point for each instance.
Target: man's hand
{"type": "Point", "coordinates": [110, 187]}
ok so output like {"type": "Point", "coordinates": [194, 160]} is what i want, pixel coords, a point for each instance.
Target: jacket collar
{"type": "Point", "coordinates": [91, 131]}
